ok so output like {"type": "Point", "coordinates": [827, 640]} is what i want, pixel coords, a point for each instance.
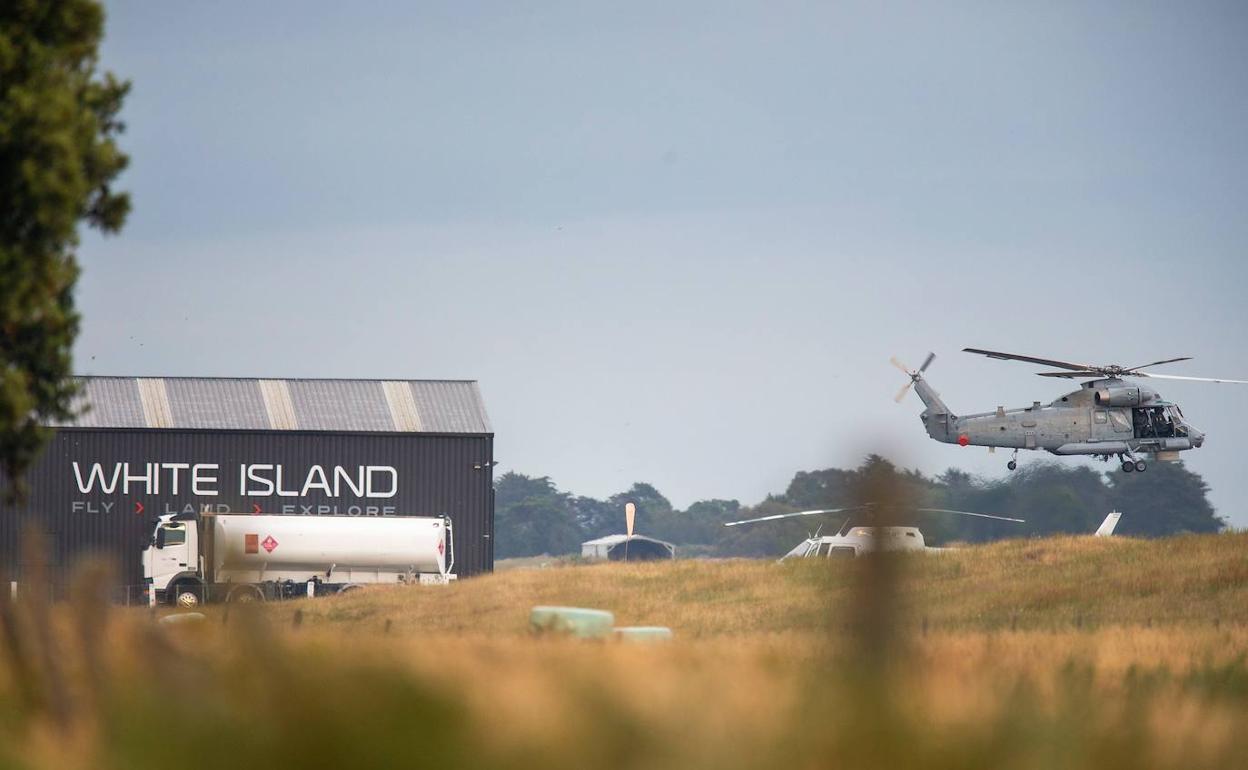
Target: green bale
{"type": "Point", "coordinates": [643, 634]}
{"type": "Point", "coordinates": [574, 621]}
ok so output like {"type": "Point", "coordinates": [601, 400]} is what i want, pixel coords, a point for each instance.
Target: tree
{"type": "Point", "coordinates": [1166, 500]}
{"type": "Point", "coordinates": [597, 518]}
{"type": "Point", "coordinates": [702, 522]}
{"type": "Point", "coordinates": [58, 160]}
{"type": "Point", "coordinates": [654, 511]}
{"type": "Point", "coordinates": [532, 517]}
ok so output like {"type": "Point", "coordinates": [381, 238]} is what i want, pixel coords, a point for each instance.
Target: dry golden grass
{"type": "Point", "coordinates": [1069, 652]}
{"type": "Point", "coordinates": [1049, 583]}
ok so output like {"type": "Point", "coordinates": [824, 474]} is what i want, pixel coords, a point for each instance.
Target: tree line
{"type": "Point", "coordinates": [533, 516]}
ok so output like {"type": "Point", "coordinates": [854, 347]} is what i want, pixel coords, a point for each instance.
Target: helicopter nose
{"type": "Point", "coordinates": [1198, 440]}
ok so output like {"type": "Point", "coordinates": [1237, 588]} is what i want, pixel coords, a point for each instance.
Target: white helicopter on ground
{"type": "Point", "coordinates": [850, 541]}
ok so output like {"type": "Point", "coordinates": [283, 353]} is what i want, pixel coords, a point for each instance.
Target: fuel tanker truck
{"type": "Point", "coordinates": [194, 558]}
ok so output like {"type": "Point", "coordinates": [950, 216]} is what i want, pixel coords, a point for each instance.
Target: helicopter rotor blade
{"type": "Point", "coordinates": [1188, 379]}
{"type": "Point", "coordinates": [776, 516]}
{"type": "Point", "coordinates": [899, 365]}
{"type": "Point", "coordinates": [1071, 375]}
{"type": "Point", "coordinates": [904, 390]}
{"type": "Point", "coordinates": [1031, 360]}
{"type": "Point", "coordinates": [927, 362]}
{"type": "Point", "coordinates": [969, 513]}
{"type": "Point", "coordinates": [1158, 363]}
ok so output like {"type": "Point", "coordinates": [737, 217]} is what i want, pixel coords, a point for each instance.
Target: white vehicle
{"type": "Point", "coordinates": [858, 540]}
{"type": "Point", "coordinates": [241, 557]}
{"type": "Point", "coordinates": [850, 540]}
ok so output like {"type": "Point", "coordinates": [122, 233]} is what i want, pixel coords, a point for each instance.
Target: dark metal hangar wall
{"type": "Point", "coordinates": [95, 491]}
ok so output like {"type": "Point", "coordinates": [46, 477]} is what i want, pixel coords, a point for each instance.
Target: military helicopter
{"type": "Point", "coordinates": [1107, 416]}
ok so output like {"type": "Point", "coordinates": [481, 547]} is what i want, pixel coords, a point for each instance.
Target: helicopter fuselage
{"type": "Point", "coordinates": [1105, 417]}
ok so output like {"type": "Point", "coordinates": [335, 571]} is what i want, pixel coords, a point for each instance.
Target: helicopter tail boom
{"type": "Point", "coordinates": [929, 397]}
{"type": "Point", "coordinates": [937, 418]}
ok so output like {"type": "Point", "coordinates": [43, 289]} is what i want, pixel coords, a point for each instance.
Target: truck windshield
{"type": "Point", "coordinates": [170, 536]}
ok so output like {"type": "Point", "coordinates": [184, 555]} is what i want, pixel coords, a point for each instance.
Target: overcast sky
{"type": "Point", "coordinates": [677, 243]}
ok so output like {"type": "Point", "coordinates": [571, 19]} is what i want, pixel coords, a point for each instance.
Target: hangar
{"type": "Point", "coordinates": [640, 548]}
{"type": "Point", "coordinates": [142, 447]}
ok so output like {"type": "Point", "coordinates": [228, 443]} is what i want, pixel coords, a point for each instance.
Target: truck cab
{"type": "Point", "coordinates": [171, 561]}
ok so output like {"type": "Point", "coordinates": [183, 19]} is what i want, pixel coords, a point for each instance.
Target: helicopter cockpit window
{"type": "Point", "coordinates": [824, 548]}
{"type": "Point", "coordinates": [1121, 422]}
{"type": "Point", "coordinates": [843, 552]}
{"type": "Point", "coordinates": [1176, 419]}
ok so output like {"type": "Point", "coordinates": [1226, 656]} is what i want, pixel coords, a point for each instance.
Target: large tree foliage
{"type": "Point", "coordinates": [532, 517]}
{"type": "Point", "coordinates": [1167, 499]}
{"type": "Point", "coordinates": [58, 160]}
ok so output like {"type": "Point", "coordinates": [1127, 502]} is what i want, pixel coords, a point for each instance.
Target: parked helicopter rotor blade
{"type": "Point", "coordinates": [927, 362]}
{"type": "Point", "coordinates": [969, 513]}
{"type": "Point", "coordinates": [1190, 379]}
{"type": "Point", "coordinates": [904, 390]}
{"type": "Point", "coordinates": [1158, 363]}
{"type": "Point", "coordinates": [1033, 360]}
{"type": "Point", "coordinates": [776, 516]}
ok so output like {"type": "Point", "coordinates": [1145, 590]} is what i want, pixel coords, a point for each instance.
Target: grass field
{"type": "Point", "coordinates": [1064, 652]}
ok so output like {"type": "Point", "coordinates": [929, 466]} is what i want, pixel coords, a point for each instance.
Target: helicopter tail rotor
{"type": "Point", "coordinates": [913, 375]}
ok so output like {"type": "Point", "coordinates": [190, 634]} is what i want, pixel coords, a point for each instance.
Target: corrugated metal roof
{"type": "Point", "coordinates": [219, 403]}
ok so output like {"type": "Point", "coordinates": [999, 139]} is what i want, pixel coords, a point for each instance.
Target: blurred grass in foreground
{"type": "Point", "coordinates": [1124, 654]}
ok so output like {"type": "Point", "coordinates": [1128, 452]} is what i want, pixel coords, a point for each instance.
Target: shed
{"type": "Point", "coordinates": [640, 548]}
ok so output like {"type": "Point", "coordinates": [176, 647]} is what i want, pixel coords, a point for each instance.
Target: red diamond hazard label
{"type": "Point", "coordinates": [269, 544]}
{"type": "Point", "coordinates": [441, 547]}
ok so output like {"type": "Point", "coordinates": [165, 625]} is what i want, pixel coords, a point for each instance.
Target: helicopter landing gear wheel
{"type": "Point", "coordinates": [1127, 466]}
{"type": "Point", "coordinates": [1140, 466]}
{"type": "Point", "coordinates": [1012, 465]}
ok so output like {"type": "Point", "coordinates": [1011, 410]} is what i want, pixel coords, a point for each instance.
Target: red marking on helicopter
{"type": "Point", "coordinates": [963, 440]}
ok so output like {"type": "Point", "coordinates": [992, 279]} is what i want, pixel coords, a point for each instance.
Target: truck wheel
{"type": "Point", "coordinates": [186, 595]}
{"type": "Point", "coordinates": [245, 595]}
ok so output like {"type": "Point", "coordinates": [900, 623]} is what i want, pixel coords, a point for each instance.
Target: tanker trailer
{"type": "Point", "coordinates": [243, 557]}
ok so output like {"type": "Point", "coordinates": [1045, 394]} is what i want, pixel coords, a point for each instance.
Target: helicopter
{"type": "Point", "coordinates": [852, 540]}
{"type": "Point", "coordinates": [1107, 416]}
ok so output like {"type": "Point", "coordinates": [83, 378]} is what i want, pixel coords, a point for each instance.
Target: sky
{"type": "Point", "coordinates": [677, 243]}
